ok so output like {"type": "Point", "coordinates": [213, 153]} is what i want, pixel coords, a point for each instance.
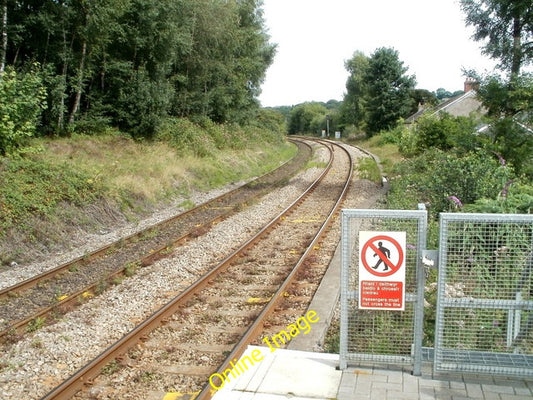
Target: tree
{"type": "Point", "coordinates": [132, 63]}
{"type": "Point", "coordinates": [389, 90]}
{"type": "Point", "coordinates": [442, 94]}
{"type": "Point", "coordinates": [507, 25]}
{"type": "Point", "coordinates": [422, 97]}
{"type": "Point", "coordinates": [353, 110]}
{"type": "Point", "coordinates": [307, 118]}
{"type": "Point", "coordinates": [3, 50]}
{"type": "Point", "coordinates": [21, 103]}
{"type": "Point", "coordinates": [511, 109]}
{"type": "Point", "coordinates": [221, 76]}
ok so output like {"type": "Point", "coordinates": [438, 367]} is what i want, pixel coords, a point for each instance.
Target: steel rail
{"type": "Point", "coordinates": [30, 282]}
{"type": "Point", "coordinates": [90, 371]}
{"type": "Point", "coordinates": [73, 299]}
{"type": "Point", "coordinates": [257, 327]}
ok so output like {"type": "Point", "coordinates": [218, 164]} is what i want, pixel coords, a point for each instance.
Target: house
{"type": "Point", "coordinates": [462, 105]}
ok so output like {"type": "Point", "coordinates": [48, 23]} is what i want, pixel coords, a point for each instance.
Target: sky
{"type": "Point", "coordinates": [315, 37]}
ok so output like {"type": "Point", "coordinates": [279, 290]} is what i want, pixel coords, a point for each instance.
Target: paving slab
{"type": "Point", "coordinates": [283, 374]}
{"type": "Point", "coordinates": [302, 375]}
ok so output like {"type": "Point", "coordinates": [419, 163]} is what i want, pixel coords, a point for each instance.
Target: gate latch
{"type": "Point", "coordinates": [430, 259]}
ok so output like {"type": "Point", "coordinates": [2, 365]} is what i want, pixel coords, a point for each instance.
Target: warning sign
{"type": "Point", "coordinates": [382, 270]}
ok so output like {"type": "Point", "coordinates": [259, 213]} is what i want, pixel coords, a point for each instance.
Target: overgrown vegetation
{"type": "Point", "coordinates": [62, 186]}
{"type": "Point", "coordinates": [467, 163]}
{"type": "Point", "coordinates": [21, 102]}
{"type": "Point", "coordinates": [368, 169]}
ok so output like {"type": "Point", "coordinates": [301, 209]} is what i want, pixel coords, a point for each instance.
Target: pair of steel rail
{"type": "Point", "coordinates": [89, 372]}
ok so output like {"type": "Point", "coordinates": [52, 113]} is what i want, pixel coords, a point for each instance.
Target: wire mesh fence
{"type": "Point", "coordinates": [382, 336]}
{"type": "Point", "coordinates": [485, 294]}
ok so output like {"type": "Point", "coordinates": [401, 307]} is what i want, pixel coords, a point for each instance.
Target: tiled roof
{"type": "Point", "coordinates": [444, 106]}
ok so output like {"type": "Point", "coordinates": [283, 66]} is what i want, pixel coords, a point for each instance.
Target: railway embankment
{"type": "Point", "coordinates": [67, 196]}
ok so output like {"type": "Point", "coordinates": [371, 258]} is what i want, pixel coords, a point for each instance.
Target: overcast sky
{"type": "Point", "coordinates": [315, 37]}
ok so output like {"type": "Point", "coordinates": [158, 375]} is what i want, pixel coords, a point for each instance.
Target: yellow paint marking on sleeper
{"type": "Point", "coordinates": [180, 396]}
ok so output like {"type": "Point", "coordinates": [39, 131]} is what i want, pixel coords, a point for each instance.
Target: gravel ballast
{"type": "Point", "coordinates": [36, 364]}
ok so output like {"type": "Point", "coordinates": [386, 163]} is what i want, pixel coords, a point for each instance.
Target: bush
{"type": "Point", "coordinates": [514, 143]}
{"type": "Point", "coordinates": [516, 198]}
{"type": "Point", "coordinates": [368, 169]}
{"type": "Point", "coordinates": [447, 181]}
{"type": "Point", "coordinates": [202, 138]}
{"type": "Point", "coordinates": [443, 132]}
{"type": "Point", "coordinates": [186, 137]}
{"type": "Point", "coordinates": [394, 136]}
{"type": "Point", "coordinates": [36, 188]}
{"type": "Point", "coordinates": [21, 103]}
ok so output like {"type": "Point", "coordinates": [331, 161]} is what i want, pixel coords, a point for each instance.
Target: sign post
{"type": "Point", "coordinates": [382, 270]}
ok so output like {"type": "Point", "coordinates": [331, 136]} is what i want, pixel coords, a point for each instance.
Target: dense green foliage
{"type": "Point", "coordinates": [451, 165]}
{"type": "Point", "coordinates": [444, 132]}
{"type": "Point", "coordinates": [388, 90]}
{"type": "Point", "coordinates": [32, 187]}
{"type": "Point", "coordinates": [354, 102]}
{"type": "Point", "coordinates": [442, 94]}
{"type": "Point", "coordinates": [21, 102]}
{"type": "Point", "coordinates": [379, 93]}
{"type": "Point", "coordinates": [313, 117]}
{"type": "Point", "coordinates": [509, 105]}
{"type": "Point", "coordinates": [445, 181]}
{"type": "Point", "coordinates": [131, 63]}
{"type": "Point", "coordinates": [205, 138]}
{"type": "Point", "coordinates": [506, 27]}
{"type": "Point", "coordinates": [506, 97]}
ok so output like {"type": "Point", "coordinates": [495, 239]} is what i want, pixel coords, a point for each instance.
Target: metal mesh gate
{"type": "Point", "coordinates": [485, 294]}
{"type": "Point", "coordinates": [380, 336]}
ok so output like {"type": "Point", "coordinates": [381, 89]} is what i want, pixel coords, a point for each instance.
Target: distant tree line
{"type": "Point", "coordinates": [379, 92]}
{"type": "Point", "coordinates": [130, 63]}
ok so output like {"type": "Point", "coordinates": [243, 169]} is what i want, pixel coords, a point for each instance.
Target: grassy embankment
{"type": "Point", "coordinates": [65, 188]}
{"type": "Point", "coordinates": [387, 155]}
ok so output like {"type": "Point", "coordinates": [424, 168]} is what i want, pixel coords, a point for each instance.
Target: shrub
{"type": "Point", "coordinates": [368, 169]}
{"type": "Point", "coordinates": [186, 137]}
{"type": "Point", "coordinates": [515, 198]}
{"type": "Point", "coordinates": [21, 103]}
{"type": "Point", "coordinates": [442, 132]}
{"type": "Point", "coordinates": [394, 135]}
{"type": "Point", "coordinates": [439, 178]}
{"type": "Point", "coordinates": [202, 137]}
{"type": "Point", "coordinates": [36, 188]}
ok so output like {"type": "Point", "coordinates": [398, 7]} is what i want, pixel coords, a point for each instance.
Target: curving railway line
{"type": "Point", "coordinates": [43, 298]}
{"type": "Point", "coordinates": [195, 306]}
{"type": "Point", "coordinates": [257, 290]}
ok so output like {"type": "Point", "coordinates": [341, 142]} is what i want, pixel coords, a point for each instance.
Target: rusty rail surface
{"type": "Point", "coordinates": [72, 299]}
{"type": "Point", "coordinates": [256, 328]}
{"type": "Point", "coordinates": [90, 371]}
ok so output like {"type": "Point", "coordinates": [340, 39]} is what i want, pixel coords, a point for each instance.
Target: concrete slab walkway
{"type": "Point", "coordinates": [300, 375]}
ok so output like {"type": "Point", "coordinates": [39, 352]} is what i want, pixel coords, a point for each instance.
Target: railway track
{"type": "Point", "coordinates": [206, 327]}
{"type": "Point", "coordinates": [45, 297]}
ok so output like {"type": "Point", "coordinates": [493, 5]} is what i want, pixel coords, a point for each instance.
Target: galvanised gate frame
{"type": "Point", "coordinates": [484, 294]}
{"type": "Point", "coordinates": [375, 335]}
{"type": "Point", "coordinates": [484, 318]}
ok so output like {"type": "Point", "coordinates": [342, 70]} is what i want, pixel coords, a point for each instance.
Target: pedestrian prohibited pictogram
{"type": "Point", "coordinates": [376, 255]}
{"type": "Point", "coordinates": [382, 270]}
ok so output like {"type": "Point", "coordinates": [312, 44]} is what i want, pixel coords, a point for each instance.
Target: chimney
{"type": "Point", "coordinates": [471, 84]}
